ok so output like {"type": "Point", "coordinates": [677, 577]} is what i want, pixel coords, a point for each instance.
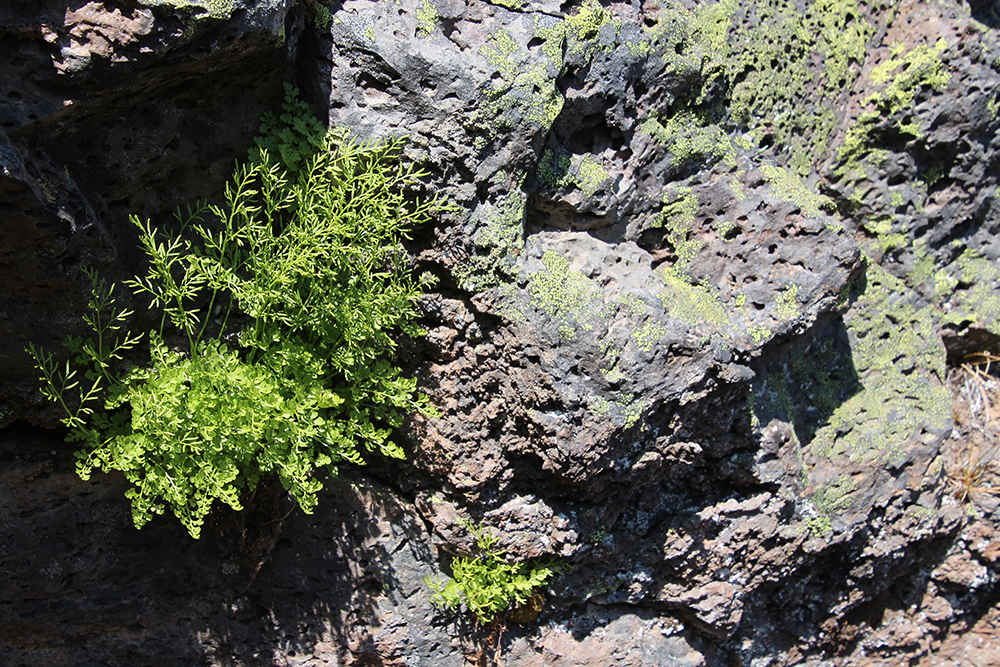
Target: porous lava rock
{"type": "Point", "coordinates": [701, 304]}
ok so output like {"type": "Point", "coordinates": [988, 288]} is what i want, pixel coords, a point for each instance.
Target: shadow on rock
{"type": "Point", "coordinates": [83, 586]}
{"type": "Point", "coordinates": [803, 381]}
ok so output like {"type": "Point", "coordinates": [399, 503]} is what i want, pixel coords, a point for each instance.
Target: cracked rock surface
{"type": "Point", "coordinates": [702, 307]}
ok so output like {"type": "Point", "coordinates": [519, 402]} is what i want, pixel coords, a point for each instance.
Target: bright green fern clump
{"type": "Point", "coordinates": [305, 254]}
{"type": "Point", "coordinates": [487, 584]}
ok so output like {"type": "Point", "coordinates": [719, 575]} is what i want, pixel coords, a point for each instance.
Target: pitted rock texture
{"type": "Point", "coordinates": [703, 295]}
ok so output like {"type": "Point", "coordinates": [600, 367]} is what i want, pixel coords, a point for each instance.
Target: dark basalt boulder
{"type": "Point", "coordinates": [702, 305]}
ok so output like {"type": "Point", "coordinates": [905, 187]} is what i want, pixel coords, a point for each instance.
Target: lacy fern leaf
{"type": "Point", "coordinates": [306, 253]}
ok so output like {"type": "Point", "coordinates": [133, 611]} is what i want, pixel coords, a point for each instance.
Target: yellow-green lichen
{"type": "Point", "coordinates": [498, 50]}
{"type": "Point", "coordinates": [216, 9]}
{"type": "Point", "coordinates": [789, 187]}
{"type": "Point", "coordinates": [583, 27]}
{"type": "Point", "coordinates": [976, 296]}
{"type": "Point", "coordinates": [888, 232]}
{"type": "Point", "coordinates": [905, 74]}
{"type": "Point", "coordinates": [526, 94]}
{"type": "Point", "coordinates": [613, 374]}
{"type": "Point", "coordinates": [764, 52]}
{"type": "Point", "coordinates": [759, 333]}
{"type": "Point", "coordinates": [765, 49]}
{"type": "Point", "coordinates": [921, 513]}
{"type": "Point", "coordinates": [513, 5]}
{"type": "Point", "coordinates": [427, 18]}
{"type": "Point", "coordinates": [752, 410]}
{"type": "Point", "coordinates": [591, 175]}
{"type": "Point", "coordinates": [787, 303]}
{"type": "Point", "coordinates": [900, 362]}
{"type": "Point", "coordinates": [553, 38]}
{"type": "Point", "coordinates": [738, 187]}
{"type": "Point", "coordinates": [612, 354]}
{"type": "Point", "coordinates": [559, 170]}
{"type": "Point", "coordinates": [508, 304]}
{"type": "Point", "coordinates": [545, 100]}
{"type": "Point", "coordinates": [912, 128]}
{"type": "Point", "coordinates": [321, 15]}
{"type": "Point", "coordinates": [843, 37]}
{"type": "Point", "coordinates": [944, 283]}
{"type": "Point", "coordinates": [626, 408]}
{"type": "Point", "coordinates": [696, 304]}
{"type": "Point", "coordinates": [630, 408]}
{"type": "Point", "coordinates": [553, 169]}
{"type": "Point", "coordinates": [923, 265]}
{"type": "Point", "coordinates": [498, 243]}
{"type": "Point", "coordinates": [711, 23]}
{"type": "Point", "coordinates": [901, 76]}
{"type": "Point", "coordinates": [818, 526]}
{"type": "Point", "coordinates": [680, 206]}
{"type": "Point", "coordinates": [666, 35]}
{"type": "Point", "coordinates": [567, 297]}
{"type": "Point", "coordinates": [648, 335]}
{"type": "Point", "coordinates": [745, 141]}
{"type": "Point", "coordinates": [610, 348]}
{"type": "Point", "coordinates": [530, 93]}
{"type": "Point", "coordinates": [834, 498]}
{"type": "Point", "coordinates": [690, 136]}
{"type": "Point", "coordinates": [633, 305]}
{"type": "Point", "coordinates": [723, 227]}
{"type": "Point", "coordinates": [600, 406]}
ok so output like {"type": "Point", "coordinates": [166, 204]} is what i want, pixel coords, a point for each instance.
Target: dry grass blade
{"type": "Point", "coordinates": [977, 390]}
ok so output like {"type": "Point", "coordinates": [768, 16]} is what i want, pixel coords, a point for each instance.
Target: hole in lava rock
{"type": "Point", "coordinates": [972, 340]}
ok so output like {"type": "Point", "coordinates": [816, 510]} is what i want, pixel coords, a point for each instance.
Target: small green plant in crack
{"type": "Point", "coordinates": [485, 583]}
{"type": "Point", "coordinates": [295, 135]}
{"type": "Point", "coordinates": [492, 589]}
{"type": "Point", "coordinates": [598, 535]}
{"type": "Point", "coordinates": [305, 254]}
{"type": "Point", "coordinates": [321, 15]}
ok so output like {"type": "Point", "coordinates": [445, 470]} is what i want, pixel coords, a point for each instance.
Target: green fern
{"type": "Point", "coordinates": [79, 383]}
{"type": "Point", "coordinates": [486, 583]}
{"type": "Point", "coordinates": [306, 252]}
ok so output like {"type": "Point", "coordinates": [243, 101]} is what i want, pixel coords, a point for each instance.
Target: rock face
{"type": "Point", "coordinates": [702, 304]}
